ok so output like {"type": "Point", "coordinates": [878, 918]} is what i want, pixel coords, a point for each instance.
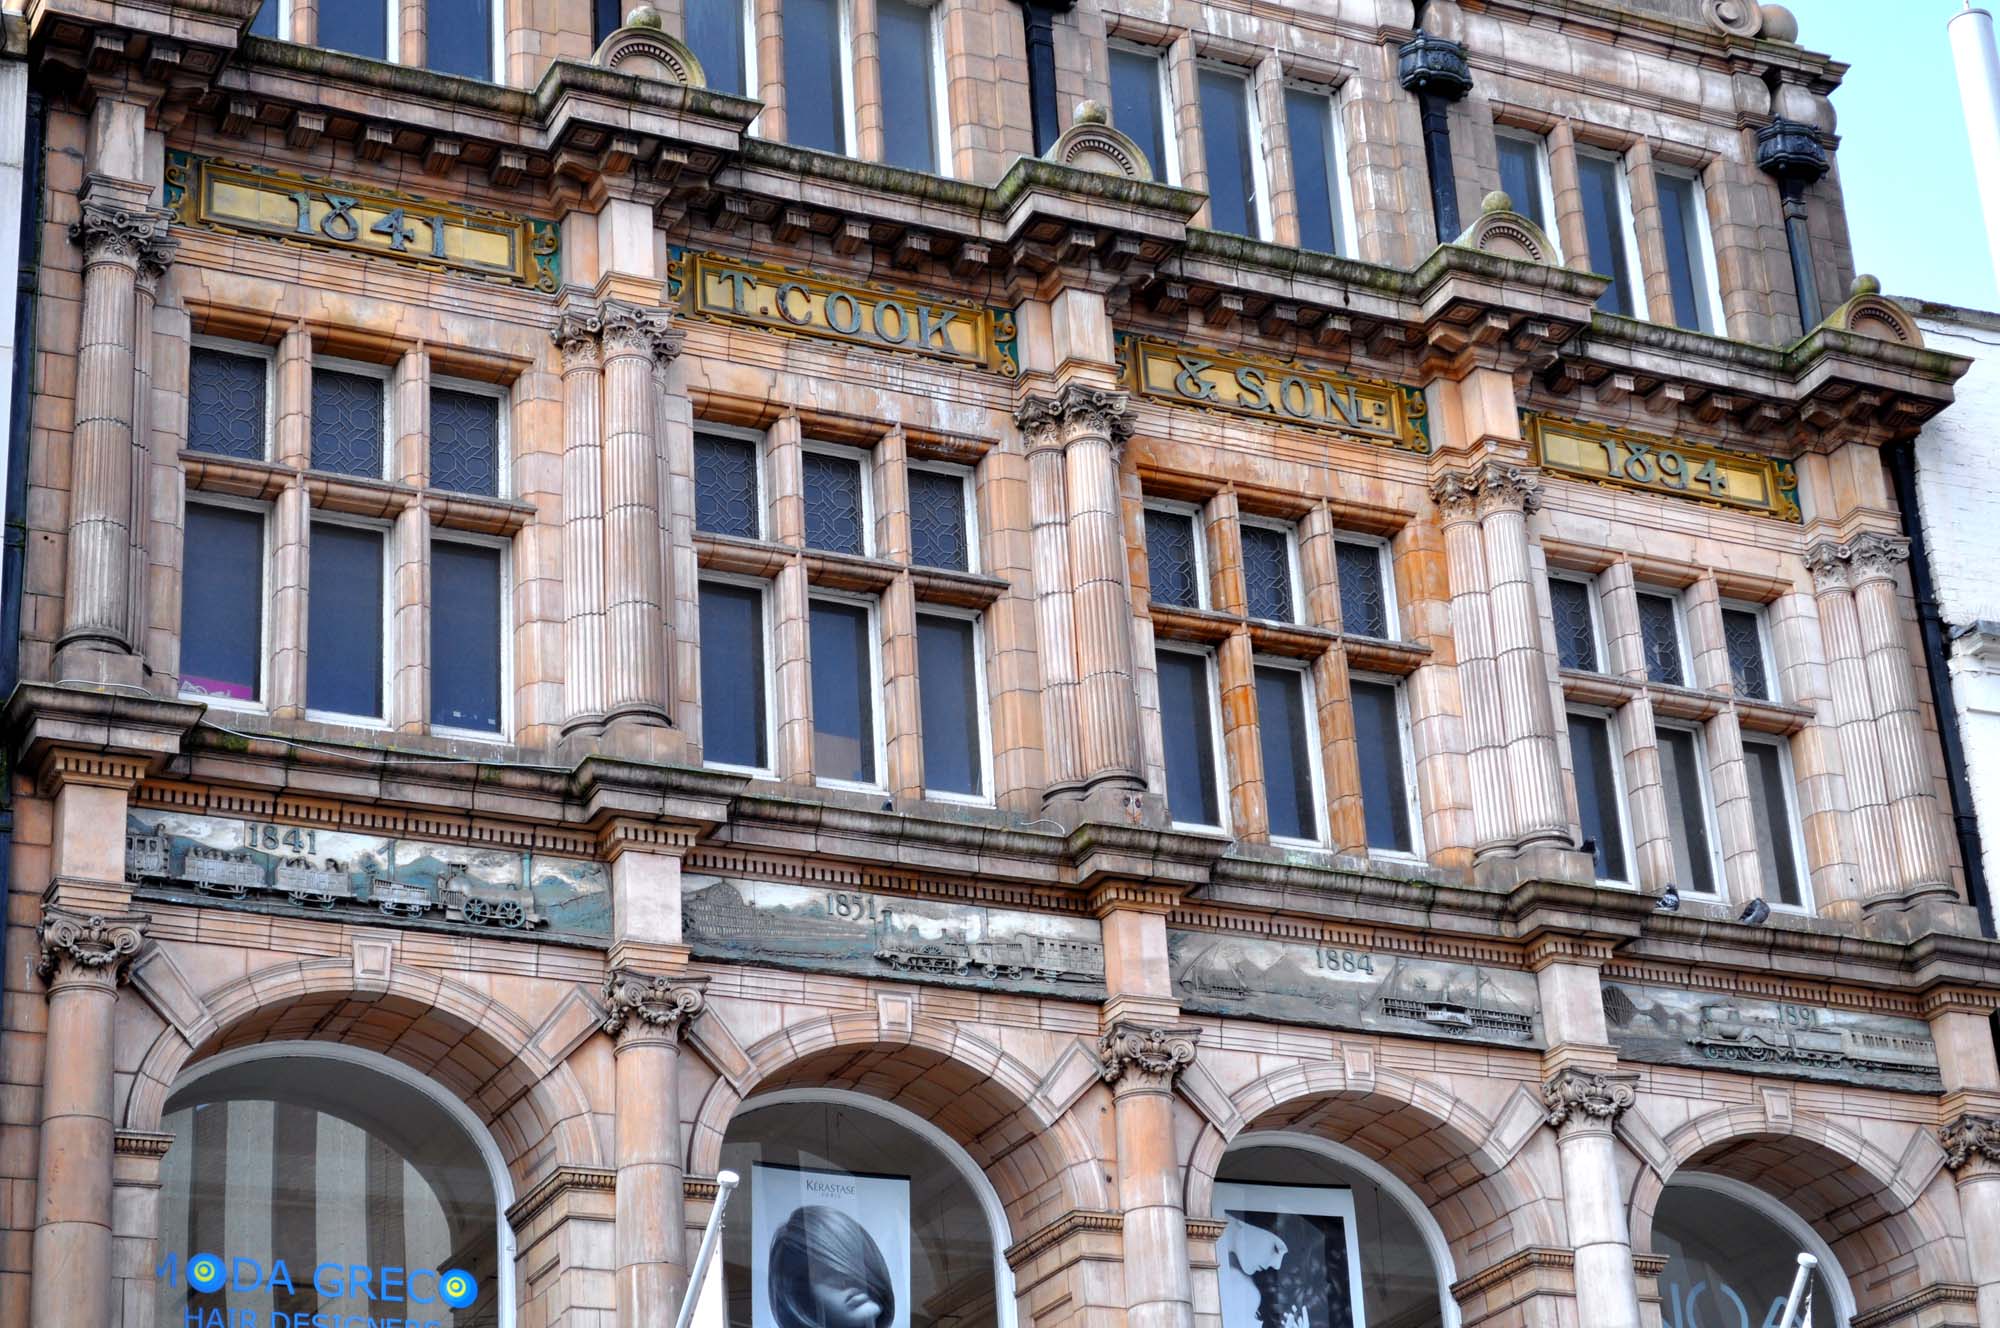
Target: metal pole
{"type": "Point", "coordinates": [1806, 1265]}
{"type": "Point", "coordinates": [725, 1181]}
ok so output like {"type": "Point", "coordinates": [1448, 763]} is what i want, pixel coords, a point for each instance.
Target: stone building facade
{"type": "Point", "coordinates": [961, 611]}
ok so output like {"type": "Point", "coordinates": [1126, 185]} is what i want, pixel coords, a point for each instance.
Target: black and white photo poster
{"type": "Point", "coordinates": [829, 1249]}
{"type": "Point", "coordinates": [1289, 1257]}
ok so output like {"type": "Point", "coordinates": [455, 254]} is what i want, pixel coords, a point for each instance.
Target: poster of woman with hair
{"type": "Point", "coordinates": [829, 1249]}
{"type": "Point", "coordinates": [1289, 1257]}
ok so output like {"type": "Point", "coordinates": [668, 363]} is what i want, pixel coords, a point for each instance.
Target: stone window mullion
{"type": "Point", "coordinates": [1701, 610]}
{"type": "Point", "coordinates": [770, 38]}
{"type": "Point", "coordinates": [1649, 230]}
{"type": "Point", "coordinates": [410, 696]}
{"type": "Point", "coordinates": [1624, 650]}
{"type": "Point", "coordinates": [1217, 520]}
{"type": "Point", "coordinates": [412, 20]}
{"type": "Point", "coordinates": [1267, 86]}
{"type": "Point", "coordinates": [1650, 847]}
{"type": "Point", "coordinates": [1735, 816]}
{"type": "Point", "coordinates": [865, 79]}
{"type": "Point", "coordinates": [1184, 115]}
{"type": "Point", "coordinates": [1568, 190]}
{"type": "Point", "coordinates": [791, 635]}
{"type": "Point", "coordinates": [1346, 820]}
{"type": "Point", "coordinates": [293, 444]}
{"type": "Point", "coordinates": [291, 554]}
{"type": "Point", "coordinates": [1243, 759]}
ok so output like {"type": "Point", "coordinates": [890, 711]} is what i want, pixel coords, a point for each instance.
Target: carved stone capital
{"type": "Point", "coordinates": [107, 230]}
{"type": "Point", "coordinates": [99, 947]}
{"type": "Point", "coordinates": [578, 333]}
{"type": "Point", "coordinates": [1153, 1057]}
{"type": "Point", "coordinates": [155, 257]}
{"type": "Point", "coordinates": [639, 1003]}
{"type": "Point", "coordinates": [1876, 555]}
{"type": "Point", "coordinates": [1827, 561]}
{"type": "Point", "coordinates": [631, 329]}
{"type": "Point", "coordinates": [1075, 411]}
{"type": "Point", "coordinates": [1491, 486]}
{"type": "Point", "coordinates": [1577, 1099]}
{"type": "Point", "coordinates": [1970, 1140]}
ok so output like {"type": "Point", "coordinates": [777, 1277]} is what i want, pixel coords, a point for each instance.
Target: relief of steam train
{"type": "Point", "coordinates": [237, 874]}
{"type": "Point", "coordinates": [1730, 1033]}
{"type": "Point", "coordinates": [1047, 959]}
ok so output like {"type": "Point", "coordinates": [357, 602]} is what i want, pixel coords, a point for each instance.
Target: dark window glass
{"type": "Point", "coordinates": [1604, 223]}
{"type": "Point", "coordinates": [1225, 126]}
{"type": "Point", "coordinates": [1287, 736]}
{"type": "Point", "coordinates": [1687, 810]}
{"type": "Point", "coordinates": [725, 486]}
{"type": "Point", "coordinates": [1315, 172]}
{"type": "Point", "coordinates": [1521, 176]}
{"type": "Point", "coordinates": [1267, 574]}
{"type": "Point", "coordinates": [344, 621]}
{"type": "Point", "coordinates": [1378, 741]}
{"type": "Point", "coordinates": [1660, 637]}
{"type": "Point", "coordinates": [938, 537]}
{"type": "Point", "coordinates": [1576, 635]}
{"type": "Point", "coordinates": [732, 675]}
{"type": "Point", "coordinates": [814, 112]}
{"type": "Point", "coordinates": [1744, 636]}
{"type": "Point", "coordinates": [1771, 808]}
{"type": "Point", "coordinates": [1597, 792]}
{"type": "Point", "coordinates": [360, 27]}
{"type": "Point", "coordinates": [843, 693]}
{"type": "Point", "coordinates": [833, 504]}
{"type": "Point", "coordinates": [1170, 559]}
{"type": "Point", "coordinates": [347, 423]}
{"type": "Point", "coordinates": [265, 24]}
{"type": "Point", "coordinates": [222, 603]}
{"type": "Point", "coordinates": [465, 441]}
{"type": "Point", "coordinates": [715, 34]}
{"type": "Point", "coordinates": [1186, 724]}
{"type": "Point", "coordinates": [458, 36]}
{"type": "Point", "coordinates": [607, 16]}
{"type": "Point", "coordinates": [1364, 600]}
{"type": "Point", "coordinates": [226, 402]}
{"type": "Point", "coordinates": [1687, 266]}
{"type": "Point", "coordinates": [465, 636]}
{"type": "Point", "coordinates": [1718, 1251]}
{"type": "Point", "coordinates": [1135, 105]}
{"type": "Point", "coordinates": [948, 683]}
{"type": "Point", "coordinates": [909, 85]}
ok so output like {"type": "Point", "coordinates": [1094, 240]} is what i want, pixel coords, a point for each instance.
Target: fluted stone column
{"type": "Point", "coordinates": [1853, 717]}
{"type": "Point", "coordinates": [578, 334]}
{"type": "Point", "coordinates": [1048, 508]}
{"type": "Point", "coordinates": [1972, 1153]}
{"type": "Point", "coordinates": [1507, 495]}
{"type": "Point", "coordinates": [153, 262]}
{"type": "Point", "coordinates": [83, 960]}
{"type": "Point", "coordinates": [1141, 1064]}
{"type": "Point", "coordinates": [117, 237]}
{"type": "Point", "coordinates": [1457, 496]}
{"type": "Point", "coordinates": [646, 1015]}
{"type": "Point", "coordinates": [1583, 1109]}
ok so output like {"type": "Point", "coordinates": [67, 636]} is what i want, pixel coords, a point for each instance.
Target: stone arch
{"type": "Point", "coordinates": [1869, 313]}
{"type": "Point", "coordinates": [1499, 229]}
{"type": "Point", "coordinates": [473, 1045]}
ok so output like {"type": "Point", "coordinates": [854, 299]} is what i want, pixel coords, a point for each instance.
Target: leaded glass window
{"type": "Point", "coordinates": [725, 486]}
{"type": "Point", "coordinates": [1743, 634]}
{"type": "Point", "coordinates": [465, 441]}
{"type": "Point", "coordinates": [1364, 598]}
{"type": "Point", "coordinates": [228, 401]}
{"type": "Point", "coordinates": [1267, 574]}
{"type": "Point", "coordinates": [347, 423]}
{"type": "Point", "coordinates": [1660, 638]}
{"type": "Point", "coordinates": [834, 513]}
{"type": "Point", "coordinates": [1172, 563]}
{"type": "Point", "coordinates": [1576, 629]}
{"type": "Point", "coordinates": [938, 534]}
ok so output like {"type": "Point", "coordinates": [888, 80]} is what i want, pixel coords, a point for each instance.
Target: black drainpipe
{"type": "Point", "coordinates": [1790, 152]}
{"type": "Point", "coordinates": [1039, 18]}
{"type": "Point", "coordinates": [1901, 459]}
{"type": "Point", "coordinates": [1435, 69]}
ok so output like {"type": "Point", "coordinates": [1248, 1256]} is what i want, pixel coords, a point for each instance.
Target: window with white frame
{"type": "Point", "coordinates": [359, 27]}
{"type": "Point", "coordinates": [722, 35]}
{"type": "Point", "coordinates": [1690, 819]}
{"type": "Point", "coordinates": [1176, 556]}
{"type": "Point", "coordinates": [1600, 794]}
{"type": "Point", "coordinates": [1573, 608]}
{"type": "Point", "coordinates": [463, 37]}
{"type": "Point", "coordinates": [1190, 726]}
{"type": "Point", "coordinates": [913, 111]}
{"type": "Point", "coordinates": [468, 443]}
{"type": "Point", "coordinates": [838, 515]}
{"type": "Point", "coordinates": [1270, 570]}
{"type": "Point", "coordinates": [1751, 669]}
{"type": "Point", "coordinates": [1382, 745]}
{"type": "Point", "coordinates": [818, 97]}
{"type": "Point", "coordinates": [1288, 737]}
{"type": "Point", "coordinates": [1236, 194]}
{"type": "Point", "coordinates": [728, 484]}
{"type": "Point", "coordinates": [1607, 221]}
{"type": "Point", "coordinates": [951, 696]}
{"type": "Point", "coordinates": [1139, 105]}
{"type": "Point", "coordinates": [346, 621]}
{"type": "Point", "coordinates": [222, 602]}
{"type": "Point", "coordinates": [1697, 303]}
{"type": "Point", "coordinates": [350, 419]}
{"type": "Point", "coordinates": [230, 403]}
{"type": "Point", "coordinates": [468, 635]}
{"type": "Point", "coordinates": [1361, 567]}
{"type": "Point", "coordinates": [1312, 126]}
{"type": "Point", "coordinates": [1661, 638]}
{"type": "Point", "coordinates": [847, 733]}
{"type": "Point", "coordinates": [1767, 768]}
{"type": "Point", "coordinates": [1524, 175]}
{"type": "Point", "coordinates": [941, 518]}
{"type": "Point", "coordinates": [735, 674]}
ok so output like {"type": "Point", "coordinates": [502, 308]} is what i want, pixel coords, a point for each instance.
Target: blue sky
{"type": "Point", "coordinates": [1911, 201]}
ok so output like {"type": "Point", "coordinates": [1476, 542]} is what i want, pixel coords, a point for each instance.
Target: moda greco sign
{"type": "Point", "coordinates": [1670, 466]}
{"type": "Point", "coordinates": [717, 287]}
{"type": "Point", "coordinates": [1288, 392]}
{"type": "Point", "coordinates": [426, 1296]}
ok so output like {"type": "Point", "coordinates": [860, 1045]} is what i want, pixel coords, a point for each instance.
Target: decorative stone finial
{"type": "Point", "coordinates": [1091, 113]}
{"type": "Point", "coordinates": [1780, 24]}
{"type": "Point", "coordinates": [644, 16]}
{"type": "Point", "coordinates": [1092, 143]}
{"type": "Point", "coordinates": [1497, 201]}
{"type": "Point", "coordinates": [1864, 284]}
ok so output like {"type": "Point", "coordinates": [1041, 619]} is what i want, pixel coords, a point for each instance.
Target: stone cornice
{"type": "Point", "coordinates": [1898, 1313]}
{"type": "Point", "coordinates": [1078, 1221]}
{"type": "Point", "coordinates": [552, 1187]}
{"type": "Point", "coordinates": [1536, 1259]}
{"type": "Point", "coordinates": [83, 734]}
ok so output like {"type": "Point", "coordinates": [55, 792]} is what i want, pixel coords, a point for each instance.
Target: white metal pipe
{"type": "Point", "coordinates": [1978, 65]}
{"type": "Point", "coordinates": [1799, 1282]}
{"type": "Point", "coordinates": [725, 1181]}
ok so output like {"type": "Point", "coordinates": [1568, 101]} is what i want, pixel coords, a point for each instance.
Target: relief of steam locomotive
{"type": "Point", "coordinates": [1730, 1033]}
{"type": "Point", "coordinates": [1044, 958]}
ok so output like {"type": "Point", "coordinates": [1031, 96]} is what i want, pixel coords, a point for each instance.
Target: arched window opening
{"type": "Point", "coordinates": [1317, 1236]}
{"type": "Point", "coordinates": [855, 1213]}
{"type": "Point", "coordinates": [1732, 1252]}
{"type": "Point", "coordinates": [316, 1179]}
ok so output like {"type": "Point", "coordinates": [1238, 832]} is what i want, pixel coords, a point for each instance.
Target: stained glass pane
{"type": "Point", "coordinates": [715, 33]}
{"type": "Point", "coordinates": [226, 402]}
{"type": "Point", "coordinates": [1267, 574]}
{"type": "Point", "coordinates": [833, 504]}
{"type": "Point", "coordinates": [1744, 636]}
{"type": "Point", "coordinates": [938, 537]}
{"type": "Point", "coordinates": [725, 486]}
{"type": "Point", "coordinates": [948, 682]}
{"type": "Point", "coordinates": [1378, 741]}
{"type": "Point", "coordinates": [1170, 559]}
{"type": "Point", "coordinates": [1185, 725]}
{"type": "Point", "coordinates": [458, 36]}
{"type": "Point", "coordinates": [1660, 637]}
{"type": "Point", "coordinates": [347, 423]}
{"type": "Point", "coordinates": [222, 603]}
{"type": "Point", "coordinates": [843, 693]}
{"type": "Point", "coordinates": [1287, 736]}
{"type": "Point", "coordinates": [344, 621]}
{"type": "Point", "coordinates": [465, 636]}
{"type": "Point", "coordinates": [1576, 634]}
{"type": "Point", "coordinates": [465, 442]}
{"type": "Point", "coordinates": [1364, 600]}
{"type": "Point", "coordinates": [1597, 793]}
{"type": "Point", "coordinates": [732, 675]}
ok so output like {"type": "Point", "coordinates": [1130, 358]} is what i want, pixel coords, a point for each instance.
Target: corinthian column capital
{"type": "Point", "coordinates": [1875, 555]}
{"type": "Point", "coordinates": [634, 329]}
{"type": "Point", "coordinates": [1149, 1057]}
{"type": "Point", "coordinates": [78, 947]}
{"type": "Point", "coordinates": [1076, 410]}
{"type": "Point", "coordinates": [1490, 486]}
{"type": "Point", "coordinates": [1580, 1100]}
{"type": "Point", "coordinates": [640, 1004]}
{"type": "Point", "coordinates": [108, 229]}
{"type": "Point", "coordinates": [578, 333]}
{"type": "Point", "coordinates": [1970, 1140]}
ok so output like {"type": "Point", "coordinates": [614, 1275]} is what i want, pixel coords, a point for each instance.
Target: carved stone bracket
{"type": "Point", "coordinates": [1578, 1099]}
{"type": "Point", "coordinates": [1076, 411]}
{"type": "Point", "coordinates": [1968, 1139]}
{"type": "Point", "coordinates": [106, 230]}
{"type": "Point", "coordinates": [1490, 486]}
{"type": "Point", "coordinates": [1153, 1057]}
{"type": "Point", "coordinates": [630, 328]}
{"type": "Point", "coordinates": [639, 1003]}
{"type": "Point", "coordinates": [96, 946]}
{"type": "Point", "coordinates": [1871, 555]}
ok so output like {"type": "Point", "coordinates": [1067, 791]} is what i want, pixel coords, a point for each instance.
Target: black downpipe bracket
{"type": "Point", "coordinates": [1436, 70]}
{"type": "Point", "coordinates": [1791, 154]}
{"type": "Point", "coordinates": [1038, 17]}
{"type": "Point", "coordinates": [1901, 460]}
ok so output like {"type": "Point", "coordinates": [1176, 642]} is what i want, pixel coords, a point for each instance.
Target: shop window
{"type": "Point", "coordinates": [905, 31]}
{"type": "Point", "coordinates": [846, 732]}
{"type": "Point", "coordinates": [350, 420]}
{"type": "Point", "coordinates": [1524, 176]}
{"type": "Point", "coordinates": [1235, 167]}
{"type": "Point", "coordinates": [1690, 274]}
{"type": "Point", "coordinates": [1600, 795]}
{"type": "Point", "coordinates": [727, 496]}
{"type": "Point", "coordinates": [1361, 568]}
{"type": "Point", "coordinates": [719, 32]}
{"type": "Point", "coordinates": [466, 441]}
{"type": "Point", "coordinates": [1607, 221]}
{"type": "Point", "coordinates": [1175, 564]}
{"type": "Point", "coordinates": [816, 96]}
{"type": "Point", "coordinates": [949, 686]}
{"type": "Point", "coordinates": [229, 398]}
{"type": "Point", "coordinates": [1749, 663]}
{"type": "Point", "coordinates": [1313, 127]}
{"type": "Point", "coordinates": [344, 622]}
{"type": "Point", "coordinates": [1574, 608]}
{"type": "Point", "coordinates": [1388, 783]}
{"type": "Point", "coordinates": [468, 634]}
{"type": "Point", "coordinates": [1732, 1253]}
{"type": "Point", "coordinates": [836, 493]}
{"type": "Point", "coordinates": [940, 518]}
{"type": "Point", "coordinates": [1768, 767]}
{"type": "Point", "coordinates": [1268, 577]}
{"type": "Point", "coordinates": [1139, 106]}
{"type": "Point", "coordinates": [222, 604]}
{"type": "Point", "coordinates": [320, 1181]}
{"type": "Point", "coordinates": [1189, 723]}
{"type": "Point", "coordinates": [856, 1214]}
{"type": "Point", "coordinates": [1684, 781]}
{"type": "Point", "coordinates": [1660, 638]}
{"type": "Point", "coordinates": [1288, 735]}
{"type": "Point", "coordinates": [358, 27]}
{"type": "Point", "coordinates": [459, 37]}
{"type": "Point", "coordinates": [1314, 1234]}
